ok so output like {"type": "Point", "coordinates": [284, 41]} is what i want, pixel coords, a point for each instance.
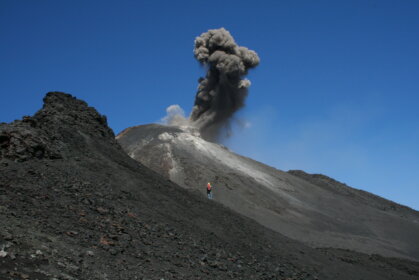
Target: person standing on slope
{"type": "Point", "coordinates": [209, 191]}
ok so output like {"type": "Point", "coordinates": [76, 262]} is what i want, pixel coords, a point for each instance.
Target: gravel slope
{"type": "Point", "coordinates": [314, 209]}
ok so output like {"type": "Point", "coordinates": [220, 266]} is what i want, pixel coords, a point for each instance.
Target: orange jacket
{"type": "Point", "coordinates": [208, 187]}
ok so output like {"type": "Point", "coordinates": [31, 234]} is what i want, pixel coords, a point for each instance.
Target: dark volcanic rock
{"type": "Point", "coordinates": [21, 141]}
{"type": "Point", "coordinates": [60, 130]}
{"type": "Point", "coordinates": [85, 210]}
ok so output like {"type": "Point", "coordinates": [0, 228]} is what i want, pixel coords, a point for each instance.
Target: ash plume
{"type": "Point", "coordinates": [223, 90]}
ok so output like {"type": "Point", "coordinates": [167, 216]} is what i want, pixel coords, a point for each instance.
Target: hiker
{"type": "Point", "coordinates": [209, 191]}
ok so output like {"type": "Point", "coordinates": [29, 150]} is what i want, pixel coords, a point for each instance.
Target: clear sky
{"type": "Point", "coordinates": [336, 92]}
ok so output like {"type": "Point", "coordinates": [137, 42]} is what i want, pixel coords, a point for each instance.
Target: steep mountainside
{"type": "Point", "coordinates": [314, 209]}
{"type": "Point", "coordinates": [73, 205]}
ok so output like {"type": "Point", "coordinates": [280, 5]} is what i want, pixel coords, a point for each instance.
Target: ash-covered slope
{"type": "Point", "coordinates": [314, 209]}
{"type": "Point", "coordinates": [73, 205]}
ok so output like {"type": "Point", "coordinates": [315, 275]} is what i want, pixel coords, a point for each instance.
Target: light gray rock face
{"type": "Point", "coordinates": [314, 209]}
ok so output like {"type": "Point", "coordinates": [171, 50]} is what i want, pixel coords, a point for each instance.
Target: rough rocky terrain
{"type": "Point", "coordinates": [73, 205]}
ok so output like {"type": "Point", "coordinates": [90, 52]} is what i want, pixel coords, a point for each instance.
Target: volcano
{"type": "Point", "coordinates": [311, 208]}
{"type": "Point", "coordinates": [74, 205]}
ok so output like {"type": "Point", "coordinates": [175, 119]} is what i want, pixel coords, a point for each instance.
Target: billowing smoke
{"type": "Point", "coordinates": [175, 116]}
{"type": "Point", "coordinates": [223, 90]}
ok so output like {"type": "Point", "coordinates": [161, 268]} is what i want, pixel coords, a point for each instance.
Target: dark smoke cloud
{"type": "Point", "coordinates": [223, 90]}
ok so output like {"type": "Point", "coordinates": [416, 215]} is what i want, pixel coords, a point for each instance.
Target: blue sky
{"type": "Point", "coordinates": [336, 92]}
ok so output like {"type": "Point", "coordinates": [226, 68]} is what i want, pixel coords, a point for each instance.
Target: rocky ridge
{"type": "Point", "coordinates": [73, 205]}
